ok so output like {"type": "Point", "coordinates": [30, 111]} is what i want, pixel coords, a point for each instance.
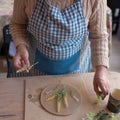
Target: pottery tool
{"type": "Point", "coordinates": [25, 67]}
{"type": "Point", "coordinates": [7, 115]}
{"type": "Point", "coordinates": [73, 96]}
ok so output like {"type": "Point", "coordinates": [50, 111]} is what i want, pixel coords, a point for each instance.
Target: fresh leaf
{"type": "Point", "coordinates": [99, 97]}
{"type": "Point", "coordinates": [90, 115]}
{"type": "Point", "coordinates": [101, 115]}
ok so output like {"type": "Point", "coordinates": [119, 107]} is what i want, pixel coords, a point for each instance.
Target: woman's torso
{"type": "Point", "coordinates": [61, 4]}
{"type": "Point", "coordinates": [61, 38]}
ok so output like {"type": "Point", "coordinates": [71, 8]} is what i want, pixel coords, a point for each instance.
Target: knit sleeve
{"type": "Point", "coordinates": [98, 34]}
{"type": "Point", "coordinates": [18, 24]}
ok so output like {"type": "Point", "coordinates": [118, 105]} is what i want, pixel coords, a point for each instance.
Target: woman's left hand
{"type": "Point", "coordinates": [101, 82]}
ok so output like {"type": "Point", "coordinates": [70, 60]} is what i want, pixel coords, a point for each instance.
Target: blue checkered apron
{"type": "Point", "coordinates": [58, 39]}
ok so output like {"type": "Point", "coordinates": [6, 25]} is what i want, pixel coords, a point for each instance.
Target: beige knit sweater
{"type": "Point", "coordinates": [95, 14]}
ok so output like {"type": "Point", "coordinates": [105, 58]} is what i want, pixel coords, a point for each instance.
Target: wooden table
{"type": "Point", "coordinates": [12, 91]}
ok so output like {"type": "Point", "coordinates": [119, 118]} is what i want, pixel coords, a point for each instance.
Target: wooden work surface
{"type": "Point", "coordinates": [12, 96]}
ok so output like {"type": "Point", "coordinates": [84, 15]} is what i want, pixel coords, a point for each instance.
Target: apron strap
{"type": "Point", "coordinates": [78, 0]}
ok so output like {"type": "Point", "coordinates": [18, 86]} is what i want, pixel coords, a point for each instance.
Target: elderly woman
{"type": "Point", "coordinates": [64, 36]}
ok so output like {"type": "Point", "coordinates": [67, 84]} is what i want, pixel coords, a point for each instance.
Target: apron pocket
{"type": "Point", "coordinates": [54, 67]}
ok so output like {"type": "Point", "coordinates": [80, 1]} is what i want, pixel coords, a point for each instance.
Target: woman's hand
{"type": "Point", "coordinates": [101, 82]}
{"type": "Point", "coordinates": [22, 57]}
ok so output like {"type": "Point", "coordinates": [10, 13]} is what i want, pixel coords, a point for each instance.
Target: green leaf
{"type": "Point", "coordinates": [99, 97]}
{"type": "Point", "coordinates": [90, 115]}
{"type": "Point", "coordinates": [60, 94]}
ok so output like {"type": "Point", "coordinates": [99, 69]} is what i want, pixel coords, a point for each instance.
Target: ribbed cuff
{"type": "Point", "coordinates": [18, 41]}
{"type": "Point", "coordinates": [100, 60]}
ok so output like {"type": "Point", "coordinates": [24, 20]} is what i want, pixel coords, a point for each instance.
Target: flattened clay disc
{"type": "Point", "coordinates": [51, 106]}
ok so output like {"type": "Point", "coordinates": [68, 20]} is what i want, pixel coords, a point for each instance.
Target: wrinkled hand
{"type": "Point", "coordinates": [22, 57]}
{"type": "Point", "coordinates": [101, 82]}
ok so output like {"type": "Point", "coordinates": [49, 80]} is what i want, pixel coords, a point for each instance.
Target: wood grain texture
{"type": "Point", "coordinates": [12, 96]}
{"type": "Point", "coordinates": [83, 83]}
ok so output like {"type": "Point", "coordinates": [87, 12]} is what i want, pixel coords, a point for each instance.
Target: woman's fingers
{"type": "Point", "coordinates": [25, 60]}
{"type": "Point", "coordinates": [24, 65]}
{"type": "Point", "coordinates": [101, 82]}
{"type": "Point", "coordinates": [21, 58]}
{"type": "Point", "coordinates": [17, 62]}
{"type": "Point", "coordinates": [101, 85]}
{"type": "Point", "coordinates": [96, 88]}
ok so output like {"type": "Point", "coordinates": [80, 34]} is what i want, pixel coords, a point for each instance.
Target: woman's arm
{"type": "Point", "coordinates": [18, 28]}
{"type": "Point", "coordinates": [99, 47]}
{"type": "Point", "coordinates": [98, 34]}
{"type": "Point", "coordinates": [18, 24]}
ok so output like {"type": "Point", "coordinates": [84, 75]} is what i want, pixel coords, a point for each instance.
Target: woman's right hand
{"type": "Point", "coordinates": [22, 57]}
